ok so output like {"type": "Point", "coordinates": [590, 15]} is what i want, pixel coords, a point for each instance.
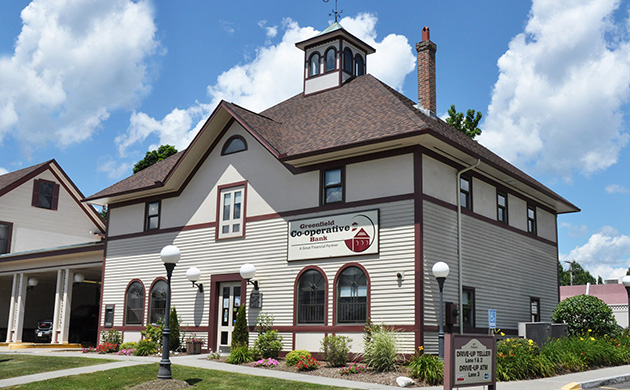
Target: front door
{"type": "Point", "coordinates": [229, 301]}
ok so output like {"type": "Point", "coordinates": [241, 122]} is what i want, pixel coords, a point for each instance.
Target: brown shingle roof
{"type": "Point", "coordinates": [363, 110]}
{"type": "Point", "coordinates": [9, 180]}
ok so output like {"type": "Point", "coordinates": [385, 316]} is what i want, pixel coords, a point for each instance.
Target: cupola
{"type": "Point", "coordinates": [331, 58]}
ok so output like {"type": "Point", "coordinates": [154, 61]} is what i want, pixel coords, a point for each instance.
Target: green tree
{"type": "Point", "coordinates": [628, 271]}
{"type": "Point", "coordinates": [580, 275]}
{"type": "Point", "coordinates": [103, 213]}
{"type": "Point", "coordinates": [585, 314]}
{"type": "Point", "coordinates": [467, 125]}
{"type": "Point", "coordinates": [240, 334]}
{"type": "Point", "coordinates": [154, 156]}
{"type": "Point", "coordinates": [174, 327]}
{"type": "Point", "coordinates": [599, 280]}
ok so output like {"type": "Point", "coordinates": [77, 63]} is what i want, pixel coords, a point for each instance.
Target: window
{"type": "Point", "coordinates": [468, 307]}
{"type": "Point", "coordinates": [531, 219]}
{"type": "Point", "coordinates": [311, 297]}
{"type": "Point", "coordinates": [465, 192]}
{"type": "Point", "coordinates": [352, 296]}
{"type": "Point", "coordinates": [45, 194]}
{"type": "Point", "coordinates": [502, 209]}
{"type": "Point", "coordinates": [313, 65]}
{"type": "Point", "coordinates": [134, 304]}
{"type": "Point", "coordinates": [231, 212]}
{"type": "Point", "coordinates": [332, 186]}
{"type": "Point", "coordinates": [5, 237]}
{"type": "Point", "coordinates": [234, 144]}
{"type": "Point", "coordinates": [359, 68]}
{"type": "Point", "coordinates": [152, 216]}
{"type": "Point", "coordinates": [347, 60]}
{"type": "Point", "coordinates": [157, 305]}
{"type": "Point", "coordinates": [331, 56]}
{"type": "Point", "coordinates": [534, 309]}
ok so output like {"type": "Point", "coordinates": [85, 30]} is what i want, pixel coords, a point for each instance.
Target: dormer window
{"type": "Point", "coordinates": [234, 144]}
{"type": "Point", "coordinates": [313, 65]}
{"type": "Point", "coordinates": [331, 55]}
{"type": "Point", "coordinates": [347, 60]}
{"type": "Point", "coordinates": [45, 194]}
{"type": "Point", "coordinates": [359, 67]}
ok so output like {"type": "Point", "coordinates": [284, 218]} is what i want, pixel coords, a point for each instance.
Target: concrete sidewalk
{"type": "Point", "coordinates": [570, 381]}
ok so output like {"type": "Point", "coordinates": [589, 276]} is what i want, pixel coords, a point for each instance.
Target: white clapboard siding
{"type": "Point", "coordinates": [508, 268]}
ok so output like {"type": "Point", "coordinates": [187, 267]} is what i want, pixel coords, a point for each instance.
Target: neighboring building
{"type": "Point", "coordinates": [614, 295]}
{"type": "Point", "coordinates": [47, 238]}
{"type": "Point", "coordinates": [342, 197]}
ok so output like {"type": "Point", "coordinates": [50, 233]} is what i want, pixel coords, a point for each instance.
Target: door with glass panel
{"type": "Point", "coordinates": [229, 302]}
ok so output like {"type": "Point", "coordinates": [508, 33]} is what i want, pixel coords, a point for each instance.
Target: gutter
{"type": "Point", "coordinates": [459, 244]}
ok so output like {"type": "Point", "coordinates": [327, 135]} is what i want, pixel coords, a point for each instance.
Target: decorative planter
{"type": "Point", "coordinates": [193, 347]}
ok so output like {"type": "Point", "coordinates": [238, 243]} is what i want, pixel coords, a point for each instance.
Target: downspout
{"type": "Point", "coordinates": [459, 243]}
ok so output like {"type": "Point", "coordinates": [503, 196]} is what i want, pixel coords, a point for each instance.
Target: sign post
{"type": "Point", "coordinates": [470, 361]}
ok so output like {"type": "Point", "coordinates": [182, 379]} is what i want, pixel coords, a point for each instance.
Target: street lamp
{"type": "Point", "coordinates": [626, 282]}
{"type": "Point", "coordinates": [440, 271]}
{"type": "Point", "coordinates": [170, 256]}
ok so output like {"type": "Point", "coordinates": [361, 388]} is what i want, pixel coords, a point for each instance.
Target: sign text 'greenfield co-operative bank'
{"type": "Point", "coordinates": [334, 236]}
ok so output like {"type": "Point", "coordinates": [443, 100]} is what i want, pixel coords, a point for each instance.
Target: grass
{"type": "Point", "coordinates": [124, 378]}
{"type": "Point", "coordinates": [13, 365]}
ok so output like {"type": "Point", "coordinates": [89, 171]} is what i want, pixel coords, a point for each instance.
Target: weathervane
{"type": "Point", "coordinates": [334, 12]}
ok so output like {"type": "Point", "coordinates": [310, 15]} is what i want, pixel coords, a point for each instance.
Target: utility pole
{"type": "Point", "coordinates": [571, 269]}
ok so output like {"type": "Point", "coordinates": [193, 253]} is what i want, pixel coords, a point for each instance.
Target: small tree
{"type": "Point", "coordinates": [154, 156]}
{"type": "Point", "coordinates": [240, 335]}
{"type": "Point", "coordinates": [467, 125]}
{"type": "Point", "coordinates": [585, 314]}
{"type": "Point", "coordinates": [174, 326]}
{"type": "Point", "coordinates": [269, 342]}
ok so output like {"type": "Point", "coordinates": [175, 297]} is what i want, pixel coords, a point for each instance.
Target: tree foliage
{"type": "Point", "coordinates": [154, 156]}
{"type": "Point", "coordinates": [580, 275]}
{"type": "Point", "coordinates": [240, 334]}
{"type": "Point", "coordinates": [467, 125]}
{"type": "Point", "coordinates": [585, 314]}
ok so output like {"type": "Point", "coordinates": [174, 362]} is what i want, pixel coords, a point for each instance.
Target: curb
{"type": "Point", "coordinates": [613, 380]}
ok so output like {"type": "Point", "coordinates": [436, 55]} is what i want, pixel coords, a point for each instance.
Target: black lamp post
{"type": "Point", "coordinates": [440, 271]}
{"type": "Point", "coordinates": [626, 282]}
{"type": "Point", "coordinates": [170, 256]}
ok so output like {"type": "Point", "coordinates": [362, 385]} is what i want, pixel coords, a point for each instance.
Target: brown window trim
{"type": "Point", "coordinates": [468, 193]}
{"type": "Point", "coordinates": [161, 278]}
{"type": "Point", "coordinates": [54, 201]}
{"type": "Point", "coordinates": [319, 65]}
{"type": "Point", "coordinates": [147, 217]}
{"type": "Point", "coordinates": [504, 208]}
{"type": "Point", "coordinates": [473, 306]}
{"type": "Point", "coordinates": [144, 304]}
{"type": "Point", "coordinates": [336, 298]}
{"type": "Point", "coordinates": [220, 189]}
{"type": "Point", "coordinates": [537, 314]}
{"type": "Point", "coordinates": [323, 188]}
{"type": "Point", "coordinates": [296, 292]}
{"type": "Point", "coordinates": [9, 237]}
{"type": "Point", "coordinates": [532, 223]}
{"type": "Point", "coordinates": [229, 141]}
{"type": "Point", "coordinates": [350, 69]}
{"type": "Point", "coordinates": [334, 49]}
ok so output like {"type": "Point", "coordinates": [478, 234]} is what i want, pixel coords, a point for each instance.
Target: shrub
{"type": "Point", "coordinates": [584, 312]}
{"type": "Point", "coordinates": [239, 355]}
{"type": "Point", "coordinates": [127, 351]}
{"type": "Point", "coordinates": [380, 351]}
{"type": "Point", "coordinates": [240, 335]}
{"type": "Point", "coordinates": [307, 364]}
{"type": "Point", "coordinates": [335, 350]}
{"type": "Point", "coordinates": [294, 357]}
{"type": "Point", "coordinates": [521, 359]}
{"type": "Point", "coordinates": [174, 327]}
{"type": "Point", "coordinates": [127, 345]}
{"type": "Point", "coordinates": [111, 337]}
{"type": "Point", "coordinates": [427, 368]}
{"type": "Point", "coordinates": [269, 342]}
{"type": "Point", "coordinates": [146, 347]}
{"type": "Point", "coordinates": [153, 333]}
{"type": "Point", "coordinates": [368, 329]}
{"type": "Point", "coordinates": [352, 368]}
{"type": "Point", "coordinates": [106, 348]}
{"type": "Point", "coordinates": [266, 363]}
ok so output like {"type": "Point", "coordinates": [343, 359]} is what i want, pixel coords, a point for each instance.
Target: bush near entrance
{"type": "Point", "coordinates": [586, 313]}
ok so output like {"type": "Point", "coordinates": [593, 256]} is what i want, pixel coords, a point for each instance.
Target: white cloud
{"type": "Point", "coordinates": [574, 230]}
{"type": "Point", "coordinates": [616, 189]}
{"type": "Point", "coordinates": [74, 62]}
{"type": "Point", "coordinates": [556, 105]}
{"type": "Point", "coordinates": [605, 253]}
{"type": "Point", "coordinates": [114, 169]}
{"type": "Point", "coordinates": [3, 171]}
{"type": "Point", "coordinates": [274, 75]}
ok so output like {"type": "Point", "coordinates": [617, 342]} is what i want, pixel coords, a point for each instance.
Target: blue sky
{"type": "Point", "coordinates": [96, 84]}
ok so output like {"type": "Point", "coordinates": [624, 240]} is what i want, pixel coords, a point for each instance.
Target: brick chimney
{"type": "Point", "coordinates": [426, 71]}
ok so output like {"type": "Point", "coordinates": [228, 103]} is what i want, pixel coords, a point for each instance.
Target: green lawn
{"type": "Point", "coordinates": [124, 378]}
{"type": "Point", "coordinates": [12, 365]}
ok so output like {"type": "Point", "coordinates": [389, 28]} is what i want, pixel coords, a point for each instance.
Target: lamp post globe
{"type": "Point", "coordinates": [170, 255]}
{"type": "Point", "coordinates": [440, 271]}
{"type": "Point", "coordinates": [626, 282]}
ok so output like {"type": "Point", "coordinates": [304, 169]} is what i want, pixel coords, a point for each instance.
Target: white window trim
{"type": "Point", "coordinates": [231, 221]}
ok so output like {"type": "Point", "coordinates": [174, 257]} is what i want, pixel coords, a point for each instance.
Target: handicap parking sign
{"type": "Point", "coordinates": [492, 319]}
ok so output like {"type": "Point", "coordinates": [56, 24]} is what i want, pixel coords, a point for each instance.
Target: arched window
{"type": "Point", "coordinates": [359, 67]}
{"type": "Point", "coordinates": [311, 298]}
{"type": "Point", "coordinates": [352, 296]}
{"type": "Point", "coordinates": [157, 304]}
{"type": "Point", "coordinates": [134, 304]}
{"type": "Point", "coordinates": [234, 144]}
{"type": "Point", "coordinates": [313, 65]}
{"type": "Point", "coordinates": [347, 60]}
{"type": "Point", "coordinates": [330, 60]}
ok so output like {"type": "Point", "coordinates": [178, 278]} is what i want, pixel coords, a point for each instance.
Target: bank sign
{"type": "Point", "coordinates": [334, 236]}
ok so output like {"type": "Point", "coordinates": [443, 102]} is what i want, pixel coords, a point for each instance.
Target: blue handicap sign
{"type": "Point", "coordinates": [492, 319]}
